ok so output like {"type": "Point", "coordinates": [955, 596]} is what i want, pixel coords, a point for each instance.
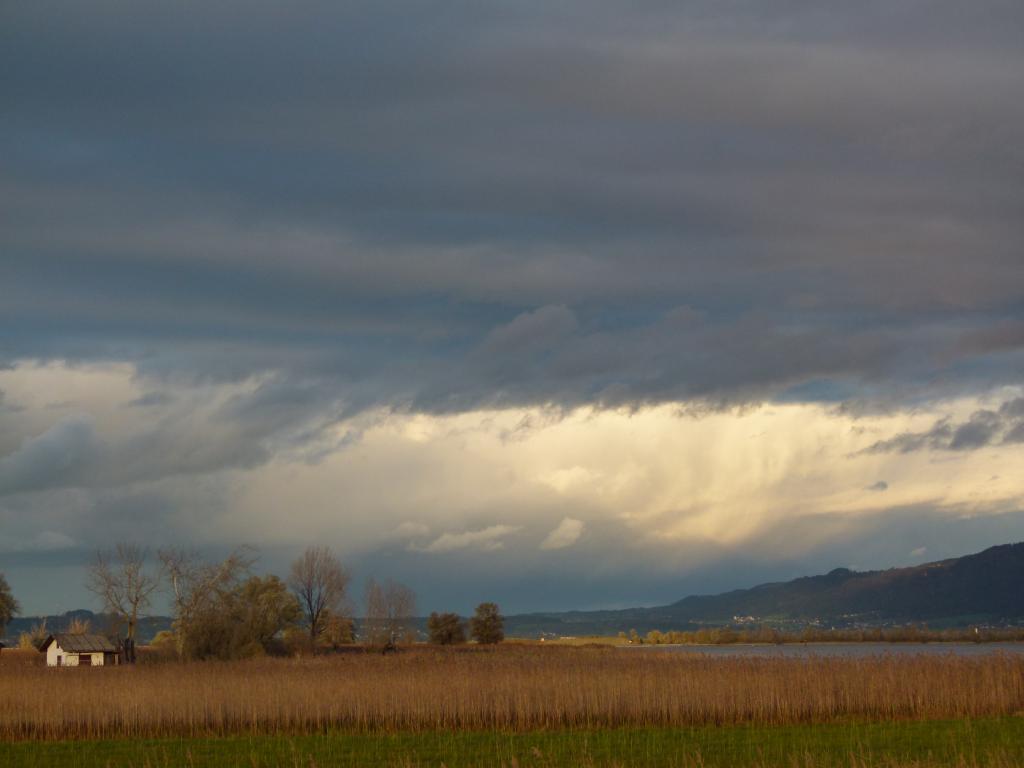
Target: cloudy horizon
{"type": "Point", "coordinates": [558, 304]}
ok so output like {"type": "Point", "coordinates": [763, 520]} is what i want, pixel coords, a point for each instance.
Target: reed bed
{"type": "Point", "coordinates": [507, 688]}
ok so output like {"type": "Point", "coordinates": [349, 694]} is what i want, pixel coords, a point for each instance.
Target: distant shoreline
{"type": "Point", "coordinates": [821, 642]}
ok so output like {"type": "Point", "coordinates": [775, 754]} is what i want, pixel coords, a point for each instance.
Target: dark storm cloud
{"type": "Point", "coordinates": [71, 454]}
{"type": "Point", "coordinates": [279, 417]}
{"type": "Point", "coordinates": [1004, 426]}
{"type": "Point", "coordinates": [151, 399]}
{"type": "Point", "coordinates": [61, 455]}
{"type": "Point", "coordinates": [449, 205]}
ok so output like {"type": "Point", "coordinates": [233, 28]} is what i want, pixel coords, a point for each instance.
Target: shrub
{"type": "Point", "coordinates": [34, 638]}
{"type": "Point", "coordinates": [487, 625]}
{"type": "Point", "coordinates": [446, 629]}
{"type": "Point", "coordinates": [338, 630]}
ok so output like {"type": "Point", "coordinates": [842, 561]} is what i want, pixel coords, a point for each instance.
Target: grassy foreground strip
{"type": "Point", "coordinates": [923, 744]}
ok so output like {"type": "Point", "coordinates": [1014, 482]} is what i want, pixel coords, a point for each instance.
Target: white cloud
{"type": "Point", "coordinates": [570, 478]}
{"type": "Point", "coordinates": [487, 539]}
{"type": "Point", "coordinates": [565, 535]}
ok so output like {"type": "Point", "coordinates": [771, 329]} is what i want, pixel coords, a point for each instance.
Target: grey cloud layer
{"type": "Point", "coordinates": [449, 205]}
{"type": "Point", "coordinates": [336, 208]}
{"type": "Point", "coordinates": [1003, 426]}
{"type": "Point", "coordinates": [202, 432]}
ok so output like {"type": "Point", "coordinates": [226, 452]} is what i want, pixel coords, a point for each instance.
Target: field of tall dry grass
{"type": "Point", "coordinates": [506, 688]}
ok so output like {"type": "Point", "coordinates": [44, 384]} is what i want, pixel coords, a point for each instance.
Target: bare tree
{"type": "Point", "coordinates": [319, 581]}
{"type": "Point", "coordinates": [121, 580]}
{"type": "Point", "coordinates": [389, 609]}
{"type": "Point", "coordinates": [179, 566]}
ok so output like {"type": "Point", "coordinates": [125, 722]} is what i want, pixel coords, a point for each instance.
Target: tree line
{"type": "Point", "coordinates": [220, 609]}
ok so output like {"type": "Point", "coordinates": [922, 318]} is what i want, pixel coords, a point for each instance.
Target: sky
{"type": "Point", "coordinates": [561, 304]}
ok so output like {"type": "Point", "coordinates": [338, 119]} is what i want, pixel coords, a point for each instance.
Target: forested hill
{"type": "Point", "coordinates": [985, 587]}
{"type": "Point", "coordinates": [990, 583]}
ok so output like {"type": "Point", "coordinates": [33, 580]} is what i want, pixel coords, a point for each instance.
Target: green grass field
{"type": "Point", "coordinates": [998, 742]}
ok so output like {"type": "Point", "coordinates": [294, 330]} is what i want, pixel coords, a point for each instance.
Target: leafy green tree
{"type": "Point", "coordinates": [221, 611]}
{"type": "Point", "coordinates": [243, 621]}
{"type": "Point", "coordinates": [264, 607]}
{"type": "Point", "coordinates": [446, 629]}
{"type": "Point", "coordinates": [8, 605]}
{"type": "Point", "coordinates": [199, 592]}
{"type": "Point", "coordinates": [487, 625]}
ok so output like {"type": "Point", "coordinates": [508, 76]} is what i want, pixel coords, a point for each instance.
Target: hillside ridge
{"type": "Point", "coordinates": [985, 587]}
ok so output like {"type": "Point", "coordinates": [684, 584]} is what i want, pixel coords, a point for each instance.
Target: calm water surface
{"type": "Point", "coordinates": [803, 650]}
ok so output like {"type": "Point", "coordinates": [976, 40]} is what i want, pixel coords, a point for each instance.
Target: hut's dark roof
{"type": "Point", "coordinates": [80, 643]}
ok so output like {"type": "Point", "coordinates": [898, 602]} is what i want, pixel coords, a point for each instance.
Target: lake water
{"type": "Point", "coordinates": [804, 650]}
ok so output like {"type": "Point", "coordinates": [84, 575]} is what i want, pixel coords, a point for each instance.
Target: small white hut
{"type": "Point", "coordinates": [79, 651]}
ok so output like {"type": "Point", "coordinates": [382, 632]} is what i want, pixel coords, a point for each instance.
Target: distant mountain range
{"type": "Point", "coordinates": [985, 588]}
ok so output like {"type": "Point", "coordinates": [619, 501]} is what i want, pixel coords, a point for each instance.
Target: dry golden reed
{"type": "Point", "coordinates": [512, 688]}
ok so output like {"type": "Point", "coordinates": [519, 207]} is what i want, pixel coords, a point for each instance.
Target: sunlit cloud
{"type": "Point", "coordinates": [565, 535]}
{"type": "Point", "coordinates": [660, 472]}
{"type": "Point", "coordinates": [486, 540]}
